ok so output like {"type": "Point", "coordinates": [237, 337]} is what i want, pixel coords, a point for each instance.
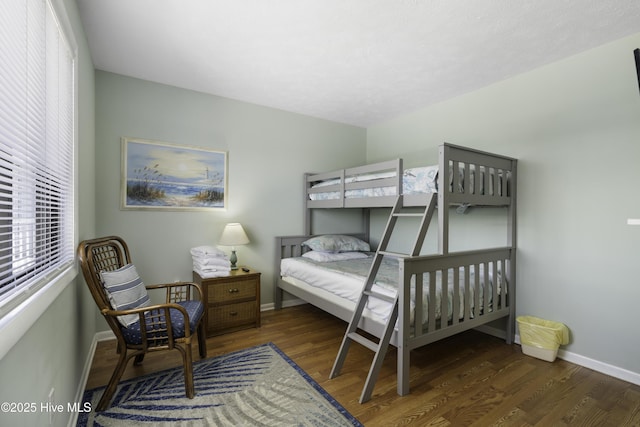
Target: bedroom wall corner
{"type": "Point", "coordinates": [574, 125]}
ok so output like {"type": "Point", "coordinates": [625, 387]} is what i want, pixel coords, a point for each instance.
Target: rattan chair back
{"type": "Point", "coordinates": [160, 327]}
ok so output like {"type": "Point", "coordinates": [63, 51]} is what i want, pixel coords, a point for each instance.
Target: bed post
{"type": "Point", "coordinates": [443, 202]}
{"type": "Point", "coordinates": [307, 210]}
{"type": "Point", "coordinates": [512, 241]}
{"type": "Point", "coordinates": [404, 327]}
{"type": "Point", "coordinates": [366, 221]}
{"type": "Point", "coordinates": [277, 298]}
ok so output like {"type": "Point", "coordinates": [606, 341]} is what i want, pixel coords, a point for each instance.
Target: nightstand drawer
{"type": "Point", "coordinates": [232, 302]}
{"type": "Point", "coordinates": [222, 293]}
{"type": "Point", "coordinates": [231, 315]}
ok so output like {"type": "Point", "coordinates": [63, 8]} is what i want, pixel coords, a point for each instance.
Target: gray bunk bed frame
{"type": "Point", "coordinates": [501, 190]}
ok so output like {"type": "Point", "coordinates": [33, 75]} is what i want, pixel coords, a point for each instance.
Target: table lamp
{"type": "Point", "coordinates": [233, 235]}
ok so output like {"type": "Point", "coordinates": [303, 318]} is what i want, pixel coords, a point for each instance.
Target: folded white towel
{"type": "Point", "coordinates": [210, 260]}
{"type": "Point", "coordinates": [199, 267]}
{"type": "Point", "coordinates": [210, 274]}
{"type": "Point", "coordinates": [207, 251]}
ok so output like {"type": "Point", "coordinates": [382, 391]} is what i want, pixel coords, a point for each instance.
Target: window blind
{"type": "Point", "coordinates": [36, 149]}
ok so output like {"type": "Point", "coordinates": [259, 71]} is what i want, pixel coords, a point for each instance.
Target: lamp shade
{"type": "Point", "coordinates": [233, 235]}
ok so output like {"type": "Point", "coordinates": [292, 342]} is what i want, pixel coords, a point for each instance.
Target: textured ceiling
{"type": "Point", "coordinates": [352, 61]}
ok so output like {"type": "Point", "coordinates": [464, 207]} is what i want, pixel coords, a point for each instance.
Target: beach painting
{"type": "Point", "coordinates": [165, 176]}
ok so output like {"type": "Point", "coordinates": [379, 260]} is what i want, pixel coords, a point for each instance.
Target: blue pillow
{"type": "Point", "coordinates": [336, 243]}
{"type": "Point", "coordinates": [125, 291]}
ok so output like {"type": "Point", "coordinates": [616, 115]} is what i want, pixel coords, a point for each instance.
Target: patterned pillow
{"type": "Point", "coordinates": [336, 243]}
{"type": "Point", "coordinates": [126, 291]}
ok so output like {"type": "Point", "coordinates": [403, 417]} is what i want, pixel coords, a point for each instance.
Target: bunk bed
{"type": "Point", "coordinates": [439, 295]}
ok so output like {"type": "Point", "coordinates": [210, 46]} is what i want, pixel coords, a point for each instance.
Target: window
{"type": "Point", "coordinates": [36, 149]}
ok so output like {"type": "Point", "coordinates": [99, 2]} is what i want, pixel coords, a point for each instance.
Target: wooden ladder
{"type": "Point", "coordinates": [380, 348]}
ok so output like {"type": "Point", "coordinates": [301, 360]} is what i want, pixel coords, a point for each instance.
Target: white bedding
{"type": "Point", "coordinates": [346, 278]}
{"type": "Point", "coordinates": [414, 181]}
{"type": "Point", "coordinates": [418, 180]}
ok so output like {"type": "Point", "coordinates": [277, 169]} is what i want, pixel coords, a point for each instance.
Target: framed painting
{"type": "Point", "coordinates": [163, 176]}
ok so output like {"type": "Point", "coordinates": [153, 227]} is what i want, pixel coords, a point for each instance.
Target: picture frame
{"type": "Point", "coordinates": [158, 175]}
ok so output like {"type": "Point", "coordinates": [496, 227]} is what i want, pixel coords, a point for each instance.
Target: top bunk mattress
{"type": "Point", "coordinates": [418, 180]}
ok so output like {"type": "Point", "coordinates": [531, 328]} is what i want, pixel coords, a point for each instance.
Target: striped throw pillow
{"type": "Point", "coordinates": [126, 291]}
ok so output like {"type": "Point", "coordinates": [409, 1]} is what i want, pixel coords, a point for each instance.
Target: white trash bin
{"type": "Point", "coordinates": [541, 338]}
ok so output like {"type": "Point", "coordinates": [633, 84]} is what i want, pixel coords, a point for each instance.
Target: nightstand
{"type": "Point", "coordinates": [232, 302]}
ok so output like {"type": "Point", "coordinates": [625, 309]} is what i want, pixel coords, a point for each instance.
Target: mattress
{"type": "Point", "coordinates": [345, 279]}
{"type": "Point", "coordinates": [419, 180]}
{"type": "Point", "coordinates": [414, 181]}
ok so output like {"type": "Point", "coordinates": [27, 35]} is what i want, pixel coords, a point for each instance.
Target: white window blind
{"type": "Point", "coordinates": [36, 149]}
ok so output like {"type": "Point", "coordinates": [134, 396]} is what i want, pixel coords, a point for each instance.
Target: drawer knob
{"type": "Point", "coordinates": [233, 290]}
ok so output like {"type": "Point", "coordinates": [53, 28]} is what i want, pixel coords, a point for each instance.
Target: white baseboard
{"type": "Point", "coordinates": [604, 368]}
{"type": "Point", "coordinates": [100, 336]}
{"type": "Point", "coordinates": [596, 365]}
{"type": "Point", "coordinates": [285, 303]}
{"type": "Point", "coordinates": [104, 336]}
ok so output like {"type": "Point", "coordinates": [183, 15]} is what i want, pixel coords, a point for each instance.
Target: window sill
{"type": "Point", "coordinates": [15, 324]}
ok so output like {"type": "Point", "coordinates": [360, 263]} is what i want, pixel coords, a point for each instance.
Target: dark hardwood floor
{"type": "Point", "coordinates": [469, 379]}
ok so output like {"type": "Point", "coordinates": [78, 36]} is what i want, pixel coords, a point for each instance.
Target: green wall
{"type": "Point", "coordinates": [268, 152]}
{"type": "Point", "coordinates": [574, 125]}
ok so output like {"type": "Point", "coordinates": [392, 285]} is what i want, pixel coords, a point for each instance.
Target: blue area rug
{"type": "Point", "coordinates": [256, 386]}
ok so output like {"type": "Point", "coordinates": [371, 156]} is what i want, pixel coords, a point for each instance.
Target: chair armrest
{"type": "Point", "coordinates": [142, 310]}
{"type": "Point", "coordinates": [178, 291]}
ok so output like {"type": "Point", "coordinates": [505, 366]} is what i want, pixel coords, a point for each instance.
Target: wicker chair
{"type": "Point", "coordinates": [150, 331]}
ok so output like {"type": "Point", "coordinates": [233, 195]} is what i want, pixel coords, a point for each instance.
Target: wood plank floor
{"type": "Point", "coordinates": [469, 379]}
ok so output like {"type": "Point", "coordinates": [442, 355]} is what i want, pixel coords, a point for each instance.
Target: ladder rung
{"type": "Point", "coordinates": [393, 254]}
{"type": "Point", "coordinates": [419, 215]}
{"type": "Point", "coordinates": [373, 346]}
{"type": "Point", "coordinates": [378, 295]}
